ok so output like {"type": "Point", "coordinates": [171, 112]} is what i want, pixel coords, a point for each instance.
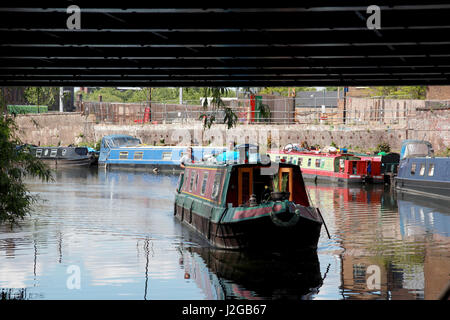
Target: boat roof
{"type": "Point", "coordinates": [312, 153]}
{"type": "Point", "coordinates": [113, 136]}
{"type": "Point", "coordinates": [225, 165]}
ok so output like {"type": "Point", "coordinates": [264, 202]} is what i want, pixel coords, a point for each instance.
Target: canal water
{"type": "Point", "coordinates": [112, 235]}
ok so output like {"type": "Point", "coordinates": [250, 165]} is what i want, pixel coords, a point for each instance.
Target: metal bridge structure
{"type": "Point", "coordinates": [224, 44]}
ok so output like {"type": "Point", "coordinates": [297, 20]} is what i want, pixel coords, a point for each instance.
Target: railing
{"type": "Point", "coordinates": [349, 111]}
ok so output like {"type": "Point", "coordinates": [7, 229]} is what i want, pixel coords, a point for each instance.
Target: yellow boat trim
{"type": "Point", "coordinates": [202, 168]}
{"type": "Point", "coordinates": [197, 196]}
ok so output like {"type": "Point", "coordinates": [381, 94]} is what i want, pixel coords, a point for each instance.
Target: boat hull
{"type": "Point", "coordinates": [53, 163]}
{"type": "Point", "coordinates": [440, 189]}
{"type": "Point", "coordinates": [259, 232]}
{"type": "Point", "coordinates": [341, 180]}
{"type": "Point", "coordinates": [167, 168]}
{"type": "Point", "coordinates": [424, 175]}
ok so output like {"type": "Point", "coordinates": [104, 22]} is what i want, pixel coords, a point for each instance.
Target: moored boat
{"type": "Point", "coordinates": [341, 168]}
{"type": "Point", "coordinates": [64, 156]}
{"type": "Point", "coordinates": [242, 205]}
{"type": "Point", "coordinates": [127, 152]}
{"type": "Point", "coordinates": [420, 172]}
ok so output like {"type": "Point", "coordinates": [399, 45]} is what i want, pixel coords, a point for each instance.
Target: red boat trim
{"type": "Point", "coordinates": [257, 212]}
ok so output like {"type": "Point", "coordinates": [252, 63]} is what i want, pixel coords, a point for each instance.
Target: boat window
{"type": "Point", "coordinates": [431, 170]}
{"type": "Point", "coordinates": [422, 169]}
{"type": "Point", "coordinates": [413, 168]}
{"type": "Point", "coordinates": [277, 158]}
{"type": "Point", "coordinates": [82, 151]}
{"type": "Point", "coordinates": [309, 162]}
{"type": "Point", "coordinates": [53, 153]}
{"type": "Point", "coordinates": [300, 161]}
{"type": "Point", "coordinates": [167, 155]}
{"type": "Point", "coordinates": [46, 152]}
{"type": "Point", "coordinates": [139, 155]}
{"type": "Point", "coordinates": [294, 160]}
{"type": "Point", "coordinates": [317, 163]}
{"type": "Point", "coordinates": [123, 155]}
{"type": "Point", "coordinates": [216, 186]}
{"type": "Point", "coordinates": [193, 174]}
{"type": "Point", "coordinates": [63, 152]}
{"type": "Point", "coordinates": [125, 141]}
{"type": "Point", "coordinates": [38, 153]}
{"type": "Point", "coordinates": [285, 159]}
{"type": "Point", "coordinates": [205, 180]}
{"type": "Point", "coordinates": [194, 188]}
{"type": "Point", "coordinates": [186, 177]}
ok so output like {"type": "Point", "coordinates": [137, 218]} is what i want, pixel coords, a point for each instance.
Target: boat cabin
{"type": "Point", "coordinates": [323, 163]}
{"type": "Point", "coordinates": [237, 185]}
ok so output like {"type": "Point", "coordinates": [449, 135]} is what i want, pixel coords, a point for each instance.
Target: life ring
{"type": "Point", "coordinates": [285, 224]}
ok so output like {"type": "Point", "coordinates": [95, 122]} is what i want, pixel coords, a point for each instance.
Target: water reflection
{"type": "Point", "coordinates": [252, 275]}
{"type": "Point", "coordinates": [118, 229]}
{"type": "Point", "coordinates": [390, 246]}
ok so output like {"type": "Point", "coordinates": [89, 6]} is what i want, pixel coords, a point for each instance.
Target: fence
{"type": "Point", "coordinates": [280, 111]}
{"type": "Point", "coordinates": [350, 111]}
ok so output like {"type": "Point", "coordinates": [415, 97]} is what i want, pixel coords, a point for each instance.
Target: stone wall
{"type": "Point", "coordinates": [54, 128]}
{"type": "Point", "coordinates": [68, 128]}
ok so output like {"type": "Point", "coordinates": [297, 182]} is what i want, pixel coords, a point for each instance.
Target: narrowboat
{"type": "Point", "coordinates": [248, 205]}
{"type": "Point", "coordinates": [341, 168]}
{"type": "Point", "coordinates": [422, 173]}
{"type": "Point", "coordinates": [389, 163]}
{"type": "Point", "coordinates": [127, 152]}
{"type": "Point", "coordinates": [65, 156]}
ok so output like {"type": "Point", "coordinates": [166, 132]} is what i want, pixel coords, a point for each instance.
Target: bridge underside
{"type": "Point", "coordinates": [314, 44]}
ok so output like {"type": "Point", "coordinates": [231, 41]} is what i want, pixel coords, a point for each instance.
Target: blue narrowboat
{"type": "Point", "coordinates": [422, 173]}
{"type": "Point", "coordinates": [127, 152]}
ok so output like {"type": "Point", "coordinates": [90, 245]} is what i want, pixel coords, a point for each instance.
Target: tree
{"type": "Point", "coordinates": [403, 92]}
{"type": "Point", "coordinates": [16, 163]}
{"type": "Point", "coordinates": [213, 97]}
{"type": "Point", "coordinates": [46, 96]}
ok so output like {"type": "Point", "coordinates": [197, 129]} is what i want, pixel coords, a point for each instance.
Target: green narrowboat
{"type": "Point", "coordinates": [244, 205]}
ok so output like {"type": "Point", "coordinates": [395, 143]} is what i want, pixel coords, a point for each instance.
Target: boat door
{"type": "Point", "coordinates": [287, 173]}
{"type": "Point", "coordinates": [245, 184]}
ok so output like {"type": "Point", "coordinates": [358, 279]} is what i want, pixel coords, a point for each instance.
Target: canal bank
{"type": "Point", "coordinates": [75, 128]}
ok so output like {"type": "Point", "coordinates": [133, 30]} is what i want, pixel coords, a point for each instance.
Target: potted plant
{"type": "Point", "coordinates": [278, 193]}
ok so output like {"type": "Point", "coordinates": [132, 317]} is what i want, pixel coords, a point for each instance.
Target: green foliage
{"type": "Point", "coordinates": [27, 109]}
{"type": "Point", "coordinates": [283, 91]}
{"type": "Point", "coordinates": [16, 163]}
{"type": "Point", "coordinates": [215, 104]}
{"type": "Point", "coordinates": [384, 147]}
{"type": "Point", "coordinates": [163, 95]}
{"type": "Point", "coordinates": [405, 92]}
{"type": "Point", "coordinates": [42, 95]}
